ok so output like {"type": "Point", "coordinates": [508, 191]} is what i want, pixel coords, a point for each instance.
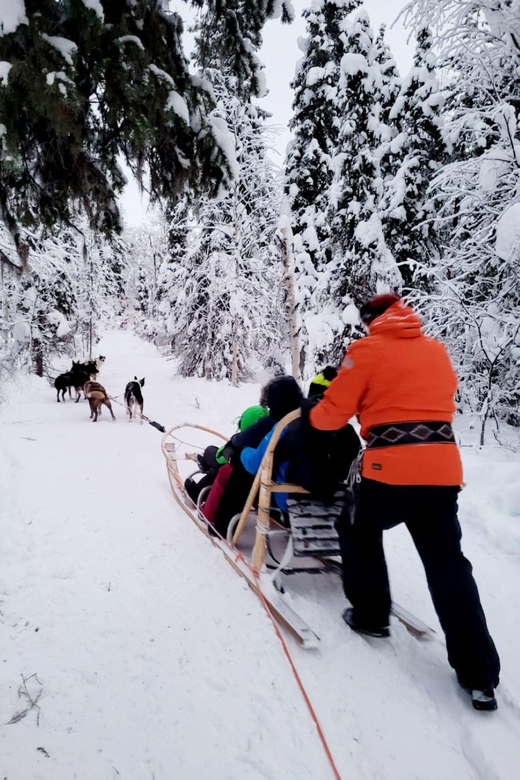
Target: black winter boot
{"type": "Point", "coordinates": [375, 631]}
{"type": "Point", "coordinates": [192, 489]}
{"type": "Point", "coordinates": [484, 701]}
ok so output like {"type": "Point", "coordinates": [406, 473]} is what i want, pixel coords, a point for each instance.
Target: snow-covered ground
{"type": "Point", "coordinates": [153, 658]}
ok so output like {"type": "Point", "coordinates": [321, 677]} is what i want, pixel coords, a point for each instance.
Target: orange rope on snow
{"type": "Point", "coordinates": [299, 682]}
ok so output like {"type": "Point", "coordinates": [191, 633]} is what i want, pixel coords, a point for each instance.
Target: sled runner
{"type": "Point", "coordinates": [174, 450]}
{"type": "Point", "coordinates": [258, 546]}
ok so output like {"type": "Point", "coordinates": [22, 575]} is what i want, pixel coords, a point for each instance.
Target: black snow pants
{"type": "Point", "coordinates": [430, 514]}
{"type": "Point", "coordinates": [209, 465]}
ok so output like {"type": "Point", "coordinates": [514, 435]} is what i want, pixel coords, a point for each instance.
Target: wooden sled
{"type": "Point", "coordinates": [311, 544]}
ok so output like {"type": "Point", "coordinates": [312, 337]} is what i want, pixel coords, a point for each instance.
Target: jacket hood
{"type": "Point", "coordinates": [251, 415]}
{"type": "Point", "coordinates": [283, 396]}
{"type": "Point", "coordinates": [399, 321]}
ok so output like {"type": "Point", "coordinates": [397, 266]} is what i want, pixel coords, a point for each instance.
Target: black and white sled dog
{"type": "Point", "coordinates": [134, 397]}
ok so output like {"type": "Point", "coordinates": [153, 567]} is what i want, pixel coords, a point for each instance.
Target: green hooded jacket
{"type": "Point", "coordinates": [249, 417]}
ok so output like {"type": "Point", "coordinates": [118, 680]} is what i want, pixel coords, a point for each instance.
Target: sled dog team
{"type": "Point", "coordinates": [82, 377]}
{"type": "Point", "coordinates": [401, 386]}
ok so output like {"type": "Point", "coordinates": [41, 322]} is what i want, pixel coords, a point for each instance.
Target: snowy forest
{"type": "Point", "coordinates": [259, 230]}
{"type": "Point", "coordinates": [406, 182]}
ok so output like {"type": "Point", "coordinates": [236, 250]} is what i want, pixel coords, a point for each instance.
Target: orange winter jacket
{"type": "Point", "coordinates": [396, 374]}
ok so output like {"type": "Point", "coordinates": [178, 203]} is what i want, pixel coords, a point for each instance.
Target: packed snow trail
{"type": "Point", "coordinates": [155, 659]}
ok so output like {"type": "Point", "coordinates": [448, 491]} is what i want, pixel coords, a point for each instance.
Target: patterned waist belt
{"type": "Point", "coordinates": [394, 434]}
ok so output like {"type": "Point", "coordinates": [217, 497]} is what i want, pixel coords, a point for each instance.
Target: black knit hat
{"type": "Point", "coordinates": [329, 373]}
{"type": "Point", "coordinates": [377, 306]}
{"type": "Point", "coordinates": [283, 396]}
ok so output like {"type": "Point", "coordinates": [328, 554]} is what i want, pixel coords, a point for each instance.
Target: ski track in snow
{"type": "Point", "coordinates": [157, 661]}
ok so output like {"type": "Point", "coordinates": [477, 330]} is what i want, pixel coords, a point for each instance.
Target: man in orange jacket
{"type": "Point", "coordinates": [401, 384]}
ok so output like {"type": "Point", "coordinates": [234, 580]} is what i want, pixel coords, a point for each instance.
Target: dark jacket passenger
{"type": "Point", "coordinates": [283, 395]}
{"type": "Point", "coordinates": [315, 460]}
{"type": "Point", "coordinates": [322, 381]}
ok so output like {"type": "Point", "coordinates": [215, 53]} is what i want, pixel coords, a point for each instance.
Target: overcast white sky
{"type": "Point", "coordinates": [280, 53]}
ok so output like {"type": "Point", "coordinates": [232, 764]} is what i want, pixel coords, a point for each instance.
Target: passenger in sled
{"type": "Point", "coordinates": [322, 381]}
{"type": "Point", "coordinates": [315, 460]}
{"type": "Point", "coordinates": [214, 458]}
{"type": "Point", "coordinates": [230, 482]}
{"type": "Point", "coordinates": [212, 461]}
{"type": "Point", "coordinates": [318, 461]}
{"type": "Point", "coordinates": [249, 418]}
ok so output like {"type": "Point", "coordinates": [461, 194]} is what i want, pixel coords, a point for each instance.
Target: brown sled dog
{"type": "Point", "coordinates": [97, 396]}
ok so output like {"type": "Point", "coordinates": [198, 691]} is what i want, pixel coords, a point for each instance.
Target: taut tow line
{"type": "Point", "coordinates": [153, 423]}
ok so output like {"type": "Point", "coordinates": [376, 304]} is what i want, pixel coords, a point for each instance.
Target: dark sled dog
{"type": "Point", "coordinates": [61, 383]}
{"type": "Point", "coordinates": [134, 398]}
{"type": "Point", "coordinates": [90, 368]}
{"type": "Point", "coordinates": [97, 396]}
{"type": "Point", "coordinates": [82, 372]}
{"type": "Point", "coordinates": [76, 378]}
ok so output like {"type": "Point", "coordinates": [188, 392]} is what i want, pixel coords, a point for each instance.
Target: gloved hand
{"type": "Point", "coordinates": [225, 453]}
{"type": "Point", "coordinates": [221, 456]}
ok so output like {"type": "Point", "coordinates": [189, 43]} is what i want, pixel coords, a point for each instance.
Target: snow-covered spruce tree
{"type": "Point", "coordinates": [14, 326]}
{"type": "Point", "coordinates": [230, 33]}
{"type": "Point", "coordinates": [389, 85]}
{"type": "Point", "coordinates": [85, 83]}
{"type": "Point", "coordinates": [476, 198]}
{"type": "Point", "coordinates": [360, 262]}
{"type": "Point", "coordinates": [177, 220]}
{"type": "Point", "coordinates": [113, 271]}
{"type": "Point", "coordinates": [42, 307]}
{"type": "Point", "coordinates": [228, 299]}
{"type": "Point", "coordinates": [101, 286]}
{"type": "Point", "coordinates": [143, 293]}
{"type": "Point", "coordinates": [412, 157]}
{"type": "Point", "coordinates": [204, 329]}
{"type": "Point", "coordinates": [76, 286]}
{"type": "Point", "coordinates": [149, 249]}
{"type": "Point", "coordinates": [308, 166]}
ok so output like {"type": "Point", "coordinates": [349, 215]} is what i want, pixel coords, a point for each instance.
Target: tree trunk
{"type": "Point", "coordinates": [238, 256]}
{"type": "Point", "coordinates": [290, 302]}
{"type": "Point", "coordinates": [37, 357]}
{"type": "Point", "coordinates": [90, 337]}
{"type": "Point", "coordinates": [87, 254]}
{"type": "Point", "coordinates": [234, 364]}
